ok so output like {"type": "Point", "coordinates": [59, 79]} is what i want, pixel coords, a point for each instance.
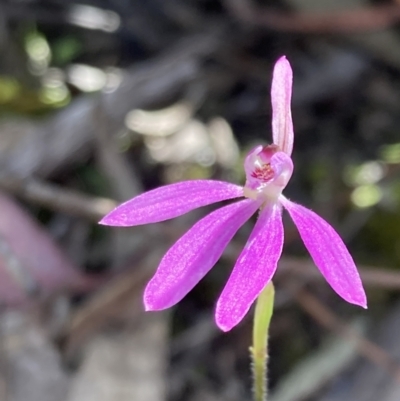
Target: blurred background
{"type": "Point", "coordinates": [101, 100]}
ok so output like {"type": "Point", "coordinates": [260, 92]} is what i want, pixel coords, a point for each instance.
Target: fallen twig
{"type": "Point", "coordinates": [365, 19]}
{"type": "Point", "coordinates": [371, 276]}
{"type": "Point", "coordinates": [327, 318]}
{"type": "Point", "coordinates": [56, 197]}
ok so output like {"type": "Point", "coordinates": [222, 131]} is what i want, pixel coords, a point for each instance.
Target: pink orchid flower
{"type": "Point", "coordinates": [268, 170]}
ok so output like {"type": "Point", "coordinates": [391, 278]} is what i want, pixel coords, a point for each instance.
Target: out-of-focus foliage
{"type": "Point", "coordinates": [71, 67]}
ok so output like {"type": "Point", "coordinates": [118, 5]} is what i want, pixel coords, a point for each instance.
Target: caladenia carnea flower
{"type": "Point", "coordinates": [268, 171]}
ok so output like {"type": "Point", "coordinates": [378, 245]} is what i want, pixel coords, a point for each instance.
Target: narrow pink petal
{"type": "Point", "coordinates": [170, 201]}
{"type": "Point", "coordinates": [281, 94]}
{"type": "Point", "coordinates": [194, 254]}
{"type": "Point", "coordinates": [328, 252]}
{"type": "Point", "coordinates": [253, 270]}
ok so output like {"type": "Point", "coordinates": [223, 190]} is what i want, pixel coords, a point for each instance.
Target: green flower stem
{"type": "Point", "coordinates": [259, 350]}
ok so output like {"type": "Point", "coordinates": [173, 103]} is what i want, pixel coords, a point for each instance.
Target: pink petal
{"type": "Point", "coordinates": [170, 201]}
{"type": "Point", "coordinates": [281, 93]}
{"type": "Point", "coordinates": [253, 270]}
{"type": "Point", "coordinates": [194, 254]}
{"type": "Point", "coordinates": [282, 165]}
{"type": "Point", "coordinates": [328, 252]}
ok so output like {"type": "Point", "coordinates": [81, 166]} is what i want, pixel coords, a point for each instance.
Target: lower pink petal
{"type": "Point", "coordinates": [253, 270]}
{"type": "Point", "coordinates": [194, 254]}
{"type": "Point", "coordinates": [170, 201]}
{"type": "Point", "coordinates": [328, 252]}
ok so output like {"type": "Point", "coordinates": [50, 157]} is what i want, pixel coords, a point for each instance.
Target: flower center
{"type": "Point", "coordinates": [268, 171]}
{"type": "Point", "coordinates": [264, 173]}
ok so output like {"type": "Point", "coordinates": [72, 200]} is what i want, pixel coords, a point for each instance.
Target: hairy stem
{"type": "Point", "coordinates": [259, 350]}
